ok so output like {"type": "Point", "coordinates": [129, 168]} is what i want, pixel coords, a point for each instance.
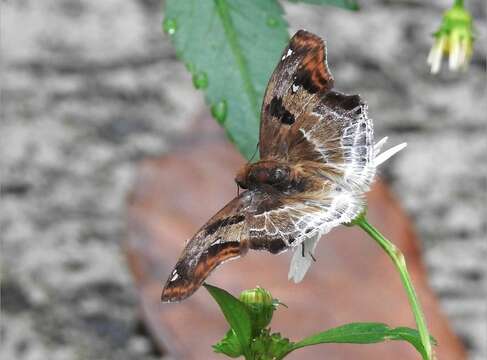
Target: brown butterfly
{"type": "Point", "coordinates": [317, 161]}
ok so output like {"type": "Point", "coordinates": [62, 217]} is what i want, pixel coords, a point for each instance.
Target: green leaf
{"type": "Point", "coordinates": [231, 48]}
{"type": "Point", "coordinates": [411, 336]}
{"type": "Point", "coordinates": [229, 345]}
{"type": "Point", "coordinates": [235, 313]}
{"type": "Point", "coordinates": [346, 4]}
{"type": "Point", "coordinates": [362, 333]}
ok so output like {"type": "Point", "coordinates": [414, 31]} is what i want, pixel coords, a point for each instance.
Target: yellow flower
{"type": "Point", "coordinates": [454, 38]}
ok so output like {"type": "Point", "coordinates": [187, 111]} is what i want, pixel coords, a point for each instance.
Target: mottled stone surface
{"type": "Point", "coordinates": [90, 87]}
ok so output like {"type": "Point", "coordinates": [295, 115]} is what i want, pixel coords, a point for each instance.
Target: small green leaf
{"type": "Point", "coordinates": [229, 345]}
{"type": "Point", "coordinates": [346, 4]}
{"type": "Point", "coordinates": [235, 313]}
{"type": "Point", "coordinates": [362, 333]}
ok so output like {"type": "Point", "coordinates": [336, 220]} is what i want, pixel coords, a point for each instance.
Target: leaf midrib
{"type": "Point", "coordinates": [222, 8]}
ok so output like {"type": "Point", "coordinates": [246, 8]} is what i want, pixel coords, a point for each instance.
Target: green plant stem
{"type": "Point", "coordinates": [458, 3]}
{"type": "Point", "coordinates": [398, 259]}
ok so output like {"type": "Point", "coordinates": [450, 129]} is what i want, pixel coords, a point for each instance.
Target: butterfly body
{"type": "Point", "coordinates": [317, 160]}
{"type": "Point", "coordinates": [265, 174]}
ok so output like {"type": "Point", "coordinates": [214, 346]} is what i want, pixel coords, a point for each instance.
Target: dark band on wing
{"type": "Point", "coordinates": [304, 78]}
{"type": "Point", "coordinates": [337, 100]}
{"type": "Point", "coordinates": [214, 226]}
{"type": "Point", "coordinates": [277, 109]}
{"type": "Point", "coordinates": [273, 244]}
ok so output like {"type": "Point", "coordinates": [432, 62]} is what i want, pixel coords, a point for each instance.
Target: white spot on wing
{"type": "Point", "coordinates": [217, 242]}
{"type": "Point", "coordinates": [175, 275]}
{"type": "Point", "coordinates": [295, 88]}
{"type": "Point", "coordinates": [289, 53]}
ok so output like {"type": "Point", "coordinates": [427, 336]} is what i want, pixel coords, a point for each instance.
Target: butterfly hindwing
{"type": "Point", "coordinates": [338, 134]}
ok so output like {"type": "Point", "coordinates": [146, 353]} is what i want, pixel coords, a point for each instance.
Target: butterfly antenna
{"type": "Point", "coordinates": [255, 152]}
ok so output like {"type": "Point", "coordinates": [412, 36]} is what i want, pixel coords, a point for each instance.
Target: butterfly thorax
{"type": "Point", "coordinates": [265, 173]}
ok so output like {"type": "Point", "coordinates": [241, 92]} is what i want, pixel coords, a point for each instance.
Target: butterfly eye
{"type": "Point", "coordinates": [279, 175]}
{"type": "Point", "coordinates": [241, 183]}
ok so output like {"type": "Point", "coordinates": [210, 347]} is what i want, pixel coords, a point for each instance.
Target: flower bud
{"type": "Point", "coordinates": [261, 306]}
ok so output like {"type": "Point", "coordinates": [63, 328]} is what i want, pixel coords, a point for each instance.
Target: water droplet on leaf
{"type": "Point", "coordinates": [272, 22]}
{"type": "Point", "coordinates": [190, 67]}
{"type": "Point", "coordinates": [219, 111]}
{"type": "Point", "coordinates": [200, 80]}
{"type": "Point", "coordinates": [169, 26]}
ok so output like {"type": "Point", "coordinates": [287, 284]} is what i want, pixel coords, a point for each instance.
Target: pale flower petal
{"type": "Point", "coordinates": [455, 54]}
{"type": "Point", "coordinates": [434, 59]}
{"type": "Point", "coordinates": [431, 54]}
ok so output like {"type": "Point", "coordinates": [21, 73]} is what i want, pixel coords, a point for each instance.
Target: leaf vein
{"type": "Point", "coordinates": [230, 33]}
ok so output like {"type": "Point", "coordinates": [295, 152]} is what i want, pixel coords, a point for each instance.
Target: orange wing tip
{"type": "Point", "coordinates": [184, 280]}
{"type": "Point", "coordinates": [314, 74]}
{"type": "Point", "coordinates": [308, 42]}
{"type": "Point", "coordinates": [177, 291]}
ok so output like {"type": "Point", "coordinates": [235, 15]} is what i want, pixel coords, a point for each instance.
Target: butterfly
{"type": "Point", "coordinates": [317, 160]}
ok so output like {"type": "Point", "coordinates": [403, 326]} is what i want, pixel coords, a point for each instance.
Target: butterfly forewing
{"type": "Point", "coordinates": [304, 120]}
{"type": "Point", "coordinates": [293, 89]}
{"type": "Point", "coordinates": [260, 220]}
{"type": "Point", "coordinates": [221, 239]}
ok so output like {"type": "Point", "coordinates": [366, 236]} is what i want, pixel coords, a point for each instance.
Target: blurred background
{"type": "Point", "coordinates": [91, 87]}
